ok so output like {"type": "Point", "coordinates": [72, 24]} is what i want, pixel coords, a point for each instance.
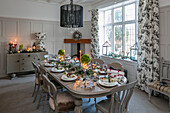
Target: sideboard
{"type": "Point", "coordinates": [21, 62]}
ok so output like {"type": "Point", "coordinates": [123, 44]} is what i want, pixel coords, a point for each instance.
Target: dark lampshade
{"type": "Point", "coordinates": [71, 16]}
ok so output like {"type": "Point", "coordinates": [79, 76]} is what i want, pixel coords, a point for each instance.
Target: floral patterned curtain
{"type": "Point", "coordinates": [94, 34]}
{"type": "Point", "coordinates": [148, 43]}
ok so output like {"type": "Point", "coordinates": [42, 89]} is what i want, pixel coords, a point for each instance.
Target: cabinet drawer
{"type": "Point", "coordinates": [28, 55]}
{"type": "Point", "coordinates": [26, 68]}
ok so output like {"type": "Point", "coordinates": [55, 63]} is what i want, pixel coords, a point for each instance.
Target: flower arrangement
{"type": "Point", "coordinates": [85, 59]}
{"type": "Point", "coordinates": [61, 52]}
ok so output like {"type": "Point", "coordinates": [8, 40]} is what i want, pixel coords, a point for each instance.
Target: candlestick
{"type": "Point", "coordinates": [10, 42]}
{"type": "Point", "coordinates": [80, 56]}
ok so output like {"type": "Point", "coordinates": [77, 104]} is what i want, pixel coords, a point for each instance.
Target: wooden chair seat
{"type": "Point", "coordinates": [65, 102]}
{"type": "Point", "coordinates": [156, 85]}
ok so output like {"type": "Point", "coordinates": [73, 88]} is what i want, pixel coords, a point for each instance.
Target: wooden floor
{"type": "Point", "coordinates": [15, 97]}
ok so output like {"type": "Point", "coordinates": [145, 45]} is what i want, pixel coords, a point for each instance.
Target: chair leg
{"type": "Point", "coordinates": [39, 99]}
{"type": "Point", "coordinates": [89, 99]}
{"type": "Point", "coordinates": [49, 110]}
{"type": "Point", "coordinates": [45, 101]}
{"type": "Point", "coordinates": [34, 90]}
{"type": "Point", "coordinates": [149, 94]}
{"type": "Point", "coordinates": [95, 100]}
{"type": "Point", "coordinates": [36, 93]}
{"type": "Point", "coordinates": [96, 110]}
{"type": "Point", "coordinates": [169, 103]}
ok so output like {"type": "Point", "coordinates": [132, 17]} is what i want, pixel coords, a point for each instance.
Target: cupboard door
{"type": "Point", "coordinates": [13, 63]}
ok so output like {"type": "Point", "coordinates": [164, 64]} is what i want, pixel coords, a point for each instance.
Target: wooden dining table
{"type": "Point", "coordinates": [81, 92]}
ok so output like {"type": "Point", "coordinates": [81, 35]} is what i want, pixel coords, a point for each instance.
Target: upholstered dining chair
{"type": "Point", "coordinates": [38, 80]}
{"type": "Point", "coordinates": [116, 65]}
{"type": "Point", "coordinates": [118, 103]}
{"type": "Point", "coordinates": [59, 102]}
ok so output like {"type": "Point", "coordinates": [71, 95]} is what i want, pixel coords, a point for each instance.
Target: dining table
{"type": "Point", "coordinates": [81, 92]}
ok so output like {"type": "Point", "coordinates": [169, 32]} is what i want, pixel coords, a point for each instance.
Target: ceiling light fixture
{"type": "Point", "coordinates": [71, 15]}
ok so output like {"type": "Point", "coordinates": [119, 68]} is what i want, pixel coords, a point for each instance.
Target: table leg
{"type": "Point", "coordinates": [78, 103]}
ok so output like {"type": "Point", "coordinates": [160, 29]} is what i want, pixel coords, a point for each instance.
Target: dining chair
{"type": "Point", "coordinates": [44, 87]}
{"type": "Point", "coordinates": [101, 63]}
{"type": "Point", "coordinates": [59, 102]}
{"type": "Point", "coordinates": [118, 103]}
{"type": "Point", "coordinates": [116, 65]}
{"type": "Point", "coordinates": [38, 80]}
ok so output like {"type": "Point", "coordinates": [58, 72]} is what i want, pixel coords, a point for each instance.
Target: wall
{"type": "Point", "coordinates": [164, 32]}
{"type": "Point", "coordinates": [163, 3]}
{"type": "Point", "coordinates": [22, 30]}
{"type": "Point", "coordinates": [34, 10]}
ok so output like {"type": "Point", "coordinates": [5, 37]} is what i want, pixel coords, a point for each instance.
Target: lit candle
{"type": "Point", "coordinates": [94, 83]}
{"type": "Point", "coordinates": [15, 41]}
{"type": "Point", "coordinates": [75, 61]}
{"type": "Point", "coordinates": [75, 86]}
{"type": "Point", "coordinates": [18, 51]}
{"type": "Point", "coordinates": [10, 42]}
{"type": "Point", "coordinates": [80, 56]}
{"type": "Point", "coordinates": [64, 55]}
{"type": "Point", "coordinates": [93, 66]}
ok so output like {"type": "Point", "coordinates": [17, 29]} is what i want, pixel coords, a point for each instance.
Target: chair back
{"type": "Point", "coordinates": [164, 70]}
{"type": "Point", "coordinates": [99, 61]}
{"type": "Point", "coordinates": [120, 98]}
{"type": "Point", "coordinates": [43, 72]}
{"type": "Point", "coordinates": [37, 71]}
{"type": "Point", "coordinates": [52, 91]}
{"type": "Point", "coordinates": [116, 65]}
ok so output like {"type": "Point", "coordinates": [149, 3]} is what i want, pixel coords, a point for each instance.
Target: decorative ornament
{"type": "Point", "coordinates": [40, 44]}
{"type": "Point", "coordinates": [77, 35]}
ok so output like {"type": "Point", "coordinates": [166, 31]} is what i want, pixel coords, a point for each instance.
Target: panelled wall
{"type": "Point", "coordinates": [22, 30]}
{"type": "Point", "coordinates": [165, 32]}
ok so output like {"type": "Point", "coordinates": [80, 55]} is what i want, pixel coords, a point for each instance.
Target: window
{"type": "Point", "coordinates": [118, 26]}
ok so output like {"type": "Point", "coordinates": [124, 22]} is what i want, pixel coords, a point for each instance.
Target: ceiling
{"type": "Point", "coordinates": [91, 2]}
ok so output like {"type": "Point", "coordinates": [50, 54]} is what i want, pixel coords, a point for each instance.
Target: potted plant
{"type": "Point", "coordinates": [61, 53]}
{"type": "Point", "coordinates": [85, 59]}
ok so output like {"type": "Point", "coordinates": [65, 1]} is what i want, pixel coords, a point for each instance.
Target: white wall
{"type": "Point", "coordinates": [34, 10]}
{"type": "Point", "coordinates": [163, 3]}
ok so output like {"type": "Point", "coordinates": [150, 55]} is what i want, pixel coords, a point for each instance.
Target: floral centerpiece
{"type": "Point", "coordinates": [85, 59]}
{"type": "Point", "coordinates": [61, 53]}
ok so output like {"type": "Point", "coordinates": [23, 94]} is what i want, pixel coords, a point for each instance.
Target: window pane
{"type": "Point", "coordinates": [108, 36]}
{"type": "Point", "coordinates": [118, 38]}
{"type": "Point", "coordinates": [108, 15]}
{"type": "Point", "coordinates": [130, 12]}
{"type": "Point", "coordinates": [101, 30]}
{"type": "Point", "coordinates": [118, 15]}
{"type": "Point", "coordinates": [129, 36]}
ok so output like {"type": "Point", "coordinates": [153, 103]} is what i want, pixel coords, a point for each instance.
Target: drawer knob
{"type": "Point", "coordinates": [17, 60]}
{"type": "Point", "coordinates": [22, 68]}
{"type": "Point", "coordinates": [22, 63]}
{"type": "Point", "coordinates": [28, 55]}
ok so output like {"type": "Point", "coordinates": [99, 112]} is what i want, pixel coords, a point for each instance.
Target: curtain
{"type": "Point", "coordinates": [148, 43]}
{"type": "Point", "coordinates": [94, 34]}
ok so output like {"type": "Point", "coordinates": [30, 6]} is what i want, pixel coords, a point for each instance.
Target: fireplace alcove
{"type": "Point", "coordinates": [77, 45]}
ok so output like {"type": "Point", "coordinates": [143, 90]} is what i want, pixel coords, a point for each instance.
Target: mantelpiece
{"type": "Point", "coordinates": [129, 65]}
{"type": "Point", "coordinates": [21, 62]}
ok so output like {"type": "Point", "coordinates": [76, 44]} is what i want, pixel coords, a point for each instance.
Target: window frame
{"type": "Point", "coordinates": [123, 23]}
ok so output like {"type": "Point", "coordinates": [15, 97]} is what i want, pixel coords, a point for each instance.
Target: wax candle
{"type": "Point", "coordinates": [10, 42]}
{"type": "Point", "coordinates": [75, 61]}
{"type": "Point", "coordinates": [64, 55]}
{"type": "Point", "coordinates": [80, 55]}
{"type": "Point", "coordinates": [15, 41]}
{"type": "Point", "coordinates": [18, 51]}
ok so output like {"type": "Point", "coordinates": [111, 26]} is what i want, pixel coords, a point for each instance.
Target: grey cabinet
{"type": "Point", "coordinates": [22, 62]}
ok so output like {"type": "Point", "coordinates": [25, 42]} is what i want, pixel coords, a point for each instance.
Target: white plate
{"type": "Point", "coordinates": [65, 78]}
{"type": "Point", "coordinates": [102, 72]}
{"type": "Point", "coordinates": [49, 65]}
{"type": "Point", "coordinates": [107, 84]}
{"type": "Point", "coordinates": [55, 70]}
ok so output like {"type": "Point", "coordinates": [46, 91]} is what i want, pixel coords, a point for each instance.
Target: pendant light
{"type": "Point", "coordinates": [71, 15]}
